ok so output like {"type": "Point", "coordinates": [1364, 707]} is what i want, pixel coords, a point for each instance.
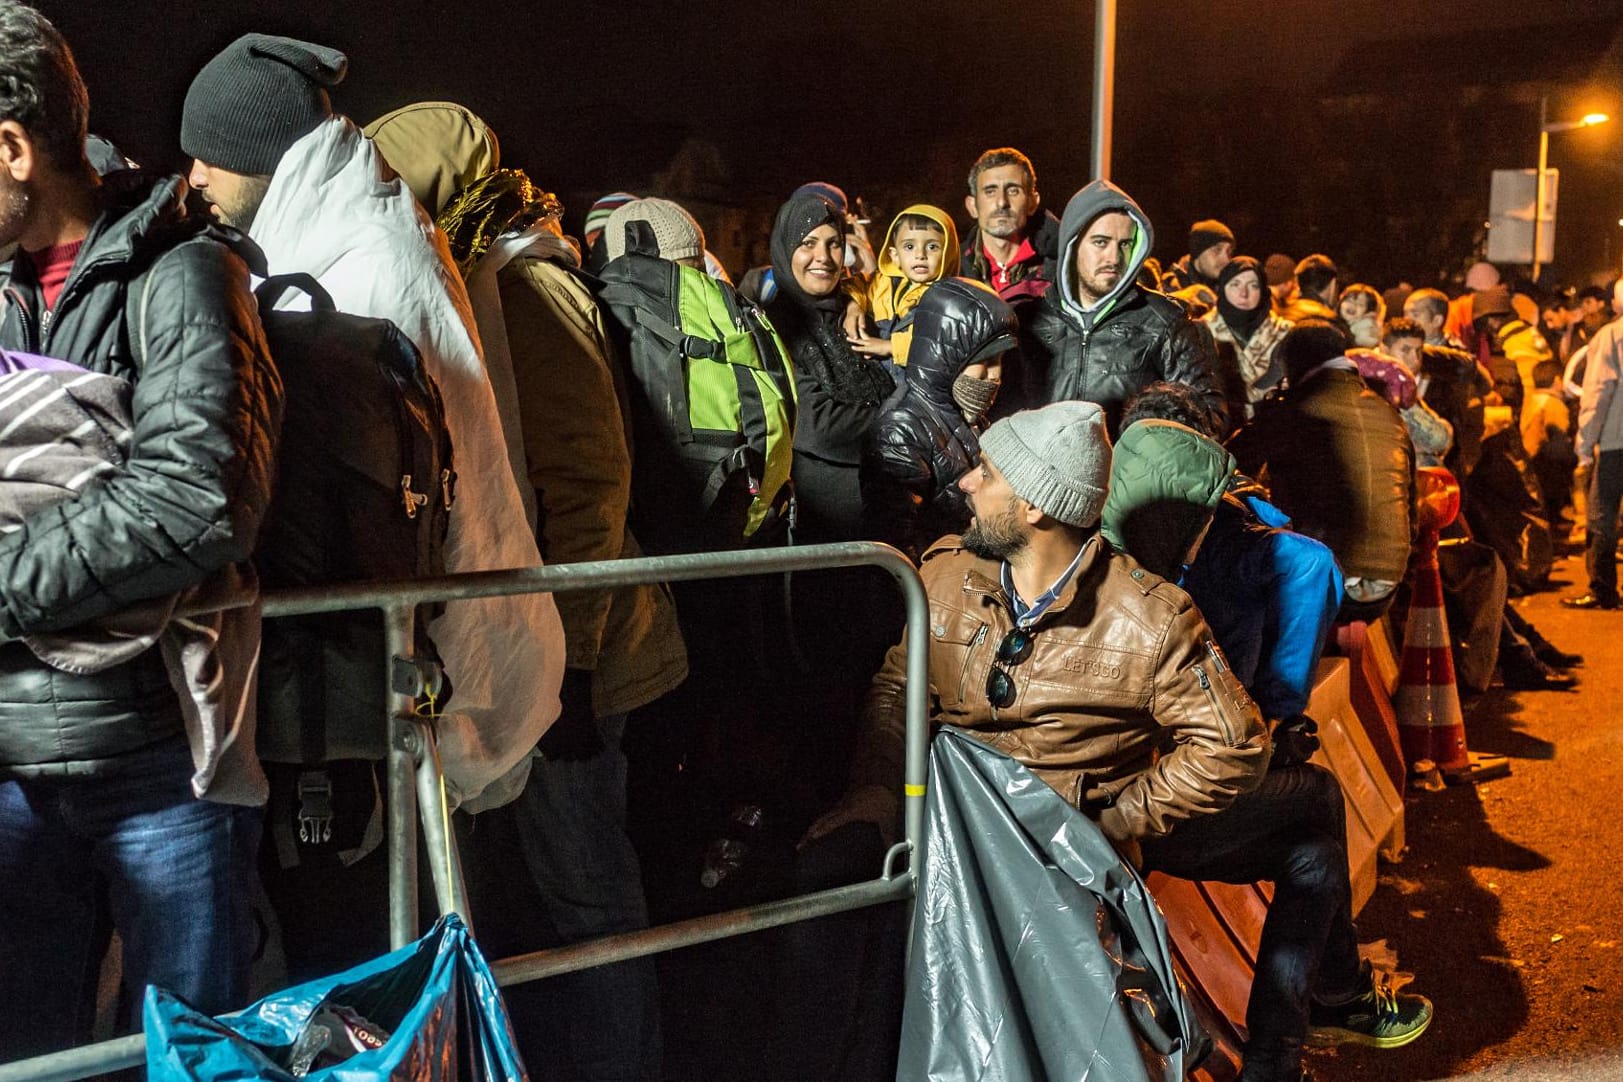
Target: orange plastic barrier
{"type": "Point", "coordinates": [1215, 927]}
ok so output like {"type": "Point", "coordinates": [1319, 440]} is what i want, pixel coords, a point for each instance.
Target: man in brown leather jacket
{"type": "Point", "coordinates": [1106, 683]}
{"type": "Point", "coordinates": [1104, 680]}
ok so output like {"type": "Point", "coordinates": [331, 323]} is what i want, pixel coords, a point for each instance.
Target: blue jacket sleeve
{"type": "Point", "coordinates": [1304, 593]}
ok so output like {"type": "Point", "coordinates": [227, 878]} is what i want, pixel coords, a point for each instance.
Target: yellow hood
{"type": "Point", "coordinates": [949, 256]}
{"type": "Point", "coordinates": [437, 147]}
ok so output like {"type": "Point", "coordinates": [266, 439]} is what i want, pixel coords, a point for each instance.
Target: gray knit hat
{"type": "Point", "coordinates": [675, 231]}
{"type": "Point", "coordinates": [1056, 458]}
{"type": "Point", "coordinates": [257, 97]}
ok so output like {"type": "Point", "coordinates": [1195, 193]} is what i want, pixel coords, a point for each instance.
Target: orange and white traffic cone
{"type": "Point", "coordinates": [1427, 703]}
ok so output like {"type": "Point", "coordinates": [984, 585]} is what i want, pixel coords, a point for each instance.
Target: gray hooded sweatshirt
{"type": "Point", "coordinates": [1127, 340]}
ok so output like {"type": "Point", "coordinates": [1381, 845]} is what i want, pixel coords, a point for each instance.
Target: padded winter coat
{"type": "Point", "coordinates": [191, 497]}
{"type": "Point", "coordinates": [1129, 339]}
{"type": "Point", "coordinates": [1340, 464]}
{"type": "Point", "coordinates": [921, 443]}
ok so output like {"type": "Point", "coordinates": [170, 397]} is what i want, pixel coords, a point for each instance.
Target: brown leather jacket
{"type": "Point", "coordinates": [1126, 707]}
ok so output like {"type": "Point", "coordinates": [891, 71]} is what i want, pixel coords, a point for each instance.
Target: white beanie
{"type": "Point", "coordinates": [675, 231]}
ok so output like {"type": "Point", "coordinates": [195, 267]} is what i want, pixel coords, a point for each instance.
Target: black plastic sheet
{"type": "Point", "coordinates": [1037, 952]}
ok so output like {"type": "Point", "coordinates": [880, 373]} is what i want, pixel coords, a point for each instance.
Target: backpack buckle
{"type": "Point", "coordinates": [411, 500]}
{"type": "Point", "coordinates": [315, 807]}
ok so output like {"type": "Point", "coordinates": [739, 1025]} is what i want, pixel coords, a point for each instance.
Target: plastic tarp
{"type": "Point", "coordinates": [436, 997]}
{"type": "Point", "coordinates": [1037, 952]}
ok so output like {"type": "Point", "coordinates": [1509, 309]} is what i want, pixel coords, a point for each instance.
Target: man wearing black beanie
{"type": "Point", "coordinates": [245, 109]}
{"type": "Point", "coordinates": [1211, 246]}
{"type": "Point", "coordinates": [317, 198]}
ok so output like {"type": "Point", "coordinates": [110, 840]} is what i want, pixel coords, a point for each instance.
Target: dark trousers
{"type": "Point", "coordinates": [1605, 494]}
{"type": "Point", "coordinates": [1290, 831]}
{"type": "Point", "coordinates": [567, 832]}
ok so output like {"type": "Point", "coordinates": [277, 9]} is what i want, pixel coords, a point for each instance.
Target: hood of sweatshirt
{"type": "Point", "coordinates": [1100, 197]}
{"type": "Point", "coordinates": [1166, 480]}
{"type": "Point", "coordinates": [950, 254]}
{"type": "Point", "coordinates": [437, 147]}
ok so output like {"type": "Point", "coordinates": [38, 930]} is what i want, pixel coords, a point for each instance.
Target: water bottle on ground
{"type": "Point", "coordinates": [724, 857]}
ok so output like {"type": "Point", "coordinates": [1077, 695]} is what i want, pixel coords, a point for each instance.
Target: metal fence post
{"type": "Point", "coordinates": [399, 621]}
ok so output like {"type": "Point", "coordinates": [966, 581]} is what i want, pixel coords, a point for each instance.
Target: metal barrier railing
{"type": "Point", "coordinates": [414, 770]}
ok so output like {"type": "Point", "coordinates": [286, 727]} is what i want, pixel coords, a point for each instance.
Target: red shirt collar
{"type": "Point", "coordinates": [1000, 271]}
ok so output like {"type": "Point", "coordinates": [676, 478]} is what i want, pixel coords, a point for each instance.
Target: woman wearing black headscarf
{"type": "Point", "coordinates": [840, 391]}
{"type": "Point", "coordinates": [1244, 319]}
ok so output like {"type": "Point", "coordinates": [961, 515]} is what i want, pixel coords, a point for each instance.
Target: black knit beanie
{"type": "Point", "coordinates": [256, 98]}
{"type": "Point", "coordinates": [1202, 235]}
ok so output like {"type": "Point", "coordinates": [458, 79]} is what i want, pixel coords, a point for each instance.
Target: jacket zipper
{"type": "Point", "coordinates": [1225, 714]}
{"type": "Point", "coordinates": [969, 655]}
{"type": "Point", "coordinates": [29, 330]}
{"type": "Point", "coordinates": [1206, 686]}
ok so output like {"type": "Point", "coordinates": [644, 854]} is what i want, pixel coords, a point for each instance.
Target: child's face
{"type": "Point", "coordinates": [918, 253]}
{"type": "Point", "coordinates": [1355, 306]}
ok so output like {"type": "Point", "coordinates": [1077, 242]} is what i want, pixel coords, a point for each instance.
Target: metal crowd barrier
{"type": "Point", "coordinates": [415, 781]}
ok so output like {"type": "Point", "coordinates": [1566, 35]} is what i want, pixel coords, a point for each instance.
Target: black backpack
{"type": "Point", "coordinates": [364, 486]}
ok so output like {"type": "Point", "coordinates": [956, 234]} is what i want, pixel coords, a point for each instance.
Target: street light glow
{"type": "Point", "coordinates": [1591, 119]}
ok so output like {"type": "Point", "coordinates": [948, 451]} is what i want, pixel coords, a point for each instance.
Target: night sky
{"type": "Point", "coordinates": [893, 99]}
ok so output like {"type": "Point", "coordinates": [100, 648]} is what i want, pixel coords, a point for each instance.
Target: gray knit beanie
{"type": "Point", "coordinates": [1056, 458]}
{"type": "Point", "coordinates": [257, 97]}
{"type": "Point", "coordinates": [675, 231]}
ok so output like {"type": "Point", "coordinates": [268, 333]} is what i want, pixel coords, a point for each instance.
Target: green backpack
{"type": "Point", "coordinates": [713, 407]}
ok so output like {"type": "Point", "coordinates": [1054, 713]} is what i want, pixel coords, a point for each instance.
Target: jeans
{"type": "Point", "coordinates": [567, 829]}
{"type": "Point", "coordinates": [174, 873]}
{"type": "Point", "coordinates": [1600, 552]}
{"type": "Point", "coordinates": [1290, 831]}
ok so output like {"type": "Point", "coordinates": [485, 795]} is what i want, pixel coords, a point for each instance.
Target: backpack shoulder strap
{"type": "Point", "coordinates": [272, 289]}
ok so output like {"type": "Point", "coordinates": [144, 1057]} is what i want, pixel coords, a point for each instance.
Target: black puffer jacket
{"type": "Point", "coordinates": [921, 443]}
{"type": "Point", "coordinates": [207, 408]}
{"type": "Point", "coordinates": [1131, 338]}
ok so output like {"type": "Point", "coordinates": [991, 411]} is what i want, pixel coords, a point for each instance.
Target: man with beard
{"type": "Point", "coordinates": [1103, 679]}
{"type": "Point", "coordinates": [1101, 337]}
{"type": "Point", "coordinates": [1211, 246]}
{"type": "Point", "coordinates": [1098, 675]}
{"type": "Point", "coordinates": [107, 809]}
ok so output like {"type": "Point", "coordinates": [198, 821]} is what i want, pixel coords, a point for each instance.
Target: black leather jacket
{"type": "Point", "coordinates": [1144, 338]}
{"type": "Point", "coordinates": [921, 443]}
{"type": "Point", "coordinates": [158, 298]}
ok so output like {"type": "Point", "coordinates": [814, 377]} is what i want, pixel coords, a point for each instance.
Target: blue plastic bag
{"type": "Point", "coordinates": [436, 998]}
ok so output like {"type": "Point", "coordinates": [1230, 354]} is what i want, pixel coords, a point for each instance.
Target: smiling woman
{"type": "Point", "coordinates": [839, 390]}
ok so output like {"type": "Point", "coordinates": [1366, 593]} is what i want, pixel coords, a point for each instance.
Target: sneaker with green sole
{"type": "Point", "coordinates": [1380, 1018]}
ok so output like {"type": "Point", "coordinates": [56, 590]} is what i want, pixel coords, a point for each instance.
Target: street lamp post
{"type": "Point", "coordinates": [1104, 84]}
{"type": "Point", "coordinates": [1544, 130]}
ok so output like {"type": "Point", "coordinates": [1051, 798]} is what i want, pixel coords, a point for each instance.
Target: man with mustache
{"type": "Point", "coordinates": [1011, 247]}
{"type": "Point", "coordinates": [1101, 337]}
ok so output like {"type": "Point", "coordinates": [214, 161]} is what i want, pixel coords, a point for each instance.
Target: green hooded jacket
{"type": "Point", "coordinates": [1166, 480]}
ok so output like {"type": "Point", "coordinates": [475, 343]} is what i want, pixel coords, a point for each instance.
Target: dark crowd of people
{"type": "Point", "coordinates": [1141, 498]}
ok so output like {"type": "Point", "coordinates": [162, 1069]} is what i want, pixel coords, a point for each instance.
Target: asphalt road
{"type": "Point", "coordinates": [1507, 907]}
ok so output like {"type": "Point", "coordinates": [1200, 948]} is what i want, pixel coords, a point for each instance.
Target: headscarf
{"type": "Point", "coordinates": [811, 326]}
{"type": "Point", "coordinates": [1243, 324]}
{"type": "Point", "coordinates": [797, 218]}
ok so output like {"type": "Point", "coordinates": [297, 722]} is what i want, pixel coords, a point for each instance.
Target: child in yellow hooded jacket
{"type": "Point", "coordinates": [921, 247]}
